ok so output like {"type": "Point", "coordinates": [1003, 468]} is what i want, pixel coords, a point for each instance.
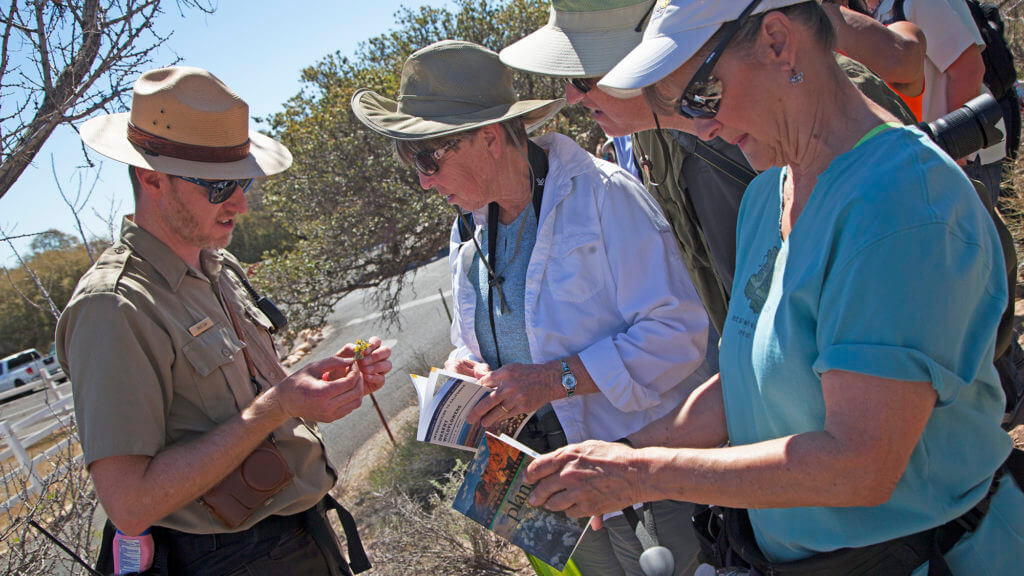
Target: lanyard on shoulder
{"type": "Point", "coordinates": [538, 175]}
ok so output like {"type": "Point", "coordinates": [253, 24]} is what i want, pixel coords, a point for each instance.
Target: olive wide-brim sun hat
{"type": "Point", "coordinates": [582, 39]}
{"type": "Point", "coordinates": [185, 122]}
{"type": "Point", "coordinates": [449, 87]}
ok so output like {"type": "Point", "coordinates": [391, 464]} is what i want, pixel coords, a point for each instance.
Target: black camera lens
{"type": "Point", "coordinates": [967, 129]}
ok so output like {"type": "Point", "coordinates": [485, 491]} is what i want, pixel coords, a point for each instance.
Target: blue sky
{"type": "Point", "coordinates": [257, 47]}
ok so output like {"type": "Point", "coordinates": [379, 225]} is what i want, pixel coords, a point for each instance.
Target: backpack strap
{"type": "Point", "coordinates": [898, 14]}
{"type": "Point", "coordinates": [466, 225]}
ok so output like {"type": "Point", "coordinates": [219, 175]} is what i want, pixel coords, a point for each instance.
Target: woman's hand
{"type": "Point", "coordinates": [587, 479]}
{"type": "Point", "coordinates": [517, 389]}
{"type": "Point", "coordinates": [467, 367]}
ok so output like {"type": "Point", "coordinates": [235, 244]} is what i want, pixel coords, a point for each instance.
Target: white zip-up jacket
{"type": "Point", "coordinates": [605, 281]}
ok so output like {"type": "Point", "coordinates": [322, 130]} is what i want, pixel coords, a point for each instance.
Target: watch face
{"type": "Point", "coordinates": [569, 381]}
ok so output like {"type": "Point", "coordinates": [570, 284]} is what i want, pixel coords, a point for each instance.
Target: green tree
{"type": "Point", "coordinates": [359, 217]}
{"type": "Point", "coordinates": [25, 318]}
{"type": "Point", "coordinates": [257, 232]}
{"type": "Point", "coordinates": [51, 239]}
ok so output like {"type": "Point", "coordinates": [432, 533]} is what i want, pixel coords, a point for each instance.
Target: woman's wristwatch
{"type": "Point", "coordinates": [568, 380]}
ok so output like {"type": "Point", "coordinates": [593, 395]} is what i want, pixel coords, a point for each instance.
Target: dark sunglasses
{"type": "Point", "coordinates": [220, 190]}
{"type": "Point", "coordinates": [584, 85]}
{"type": "Point", "coordinates": [703, 94]}
{"type": "Point", "coordinates": [426, 160]}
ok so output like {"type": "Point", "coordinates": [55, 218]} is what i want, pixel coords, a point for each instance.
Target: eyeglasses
{"type": "Point", "coordinates": [220, 190]}
{"type": "Point", "coordinates": [703, 94]}
{"type": "Point", "coordinates": [426, 160]}
{"type": "Point", "coordinates": [584, 85]}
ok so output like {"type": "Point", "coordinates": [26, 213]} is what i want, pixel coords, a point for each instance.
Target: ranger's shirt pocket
{"type": "Point", "coordinates": [575, 271]}
{"type": "Point", "coordinates": [213, 349]}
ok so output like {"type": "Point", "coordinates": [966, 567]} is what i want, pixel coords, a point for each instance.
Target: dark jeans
{"type": "Point", "coordinates": [277, 545]}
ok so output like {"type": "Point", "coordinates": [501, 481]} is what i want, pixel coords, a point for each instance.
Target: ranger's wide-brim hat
{"type": "Point", "coordinates": [186, 122]}
{"type": "Point", "coordinates": [582, 39]}
{"type": "Point", "coordinates": [447, 88]}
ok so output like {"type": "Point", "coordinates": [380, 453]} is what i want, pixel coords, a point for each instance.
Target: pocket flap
{"type": "Point", "coordinates": [213, 348]}
{"type": "Point", "coordinates": [568, 242]}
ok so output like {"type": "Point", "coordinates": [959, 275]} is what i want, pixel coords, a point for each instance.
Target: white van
{"type": "Point", "coordinates": [19, 369]}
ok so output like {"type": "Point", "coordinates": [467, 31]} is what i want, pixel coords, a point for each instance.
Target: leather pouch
{"type": "Point", "coordinates": [263, 474]}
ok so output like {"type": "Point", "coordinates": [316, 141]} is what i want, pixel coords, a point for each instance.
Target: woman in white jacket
{"type": "Point", "coordinates": [571, 298]}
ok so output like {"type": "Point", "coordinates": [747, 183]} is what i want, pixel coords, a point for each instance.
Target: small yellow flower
{"type": "Point", "coordinates": [362, 347]}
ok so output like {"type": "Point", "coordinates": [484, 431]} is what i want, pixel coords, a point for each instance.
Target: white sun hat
{"type": "Point", "coordinates": [677, 30]}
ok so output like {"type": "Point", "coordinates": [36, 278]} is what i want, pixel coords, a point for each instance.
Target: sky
{"type": "Point", "coordinates": [257, 47]}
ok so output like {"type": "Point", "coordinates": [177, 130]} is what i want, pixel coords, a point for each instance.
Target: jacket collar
{"type": "Point", "coordinates": [566, 160]}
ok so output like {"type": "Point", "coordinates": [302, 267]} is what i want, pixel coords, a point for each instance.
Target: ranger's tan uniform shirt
{"type": "Point", "coordinates": [142, 380]}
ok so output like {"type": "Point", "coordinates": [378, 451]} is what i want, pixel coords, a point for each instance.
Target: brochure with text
{"type": "Point", "coordinates": [494, 493]}
{"type": "Point", "coordinates": [445, 400]}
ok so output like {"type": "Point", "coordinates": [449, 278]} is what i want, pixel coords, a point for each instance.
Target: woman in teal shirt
{"type": "Point", "coordinates": [857, 389]}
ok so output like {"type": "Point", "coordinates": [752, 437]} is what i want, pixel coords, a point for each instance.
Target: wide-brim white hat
{"type": "Point", "coordinates": [184, 121]}
{"type": "Point", "coordinates": [581, 39]}
{"type": "Point", "coordinates": [449, 87]}
{"type": "Point", "coordinates": [677, 30]}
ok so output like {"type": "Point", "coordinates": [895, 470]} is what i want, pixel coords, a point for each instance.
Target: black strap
{"type": "Point", "coordinates": [898, 556]}
{"type": "Point", "coordinates": [357, 559]}
{"type": "Point", "coordinates": [742, 174]}
{"type": "Point", "coordinates": [538, 160]}
{"type": "Point", "coordinates": [465, 223]}
{"type": "Point", "coordinates": [278, 320]}
{"type": "Point", "coordinates": [645, 528]}
{"type": "Point", "coordinates": [899, 14]}
{"type": "Point", "coordinates": [492, 240]}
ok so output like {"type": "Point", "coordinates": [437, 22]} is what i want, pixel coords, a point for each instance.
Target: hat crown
{"type": "Point", "coordinates": [453, 77]}
{"type": "Point", "coordinates": [189, 106]}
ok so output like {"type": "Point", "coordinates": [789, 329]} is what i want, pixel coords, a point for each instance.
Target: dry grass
{"type": "Point", "coordinates": [401, 496]}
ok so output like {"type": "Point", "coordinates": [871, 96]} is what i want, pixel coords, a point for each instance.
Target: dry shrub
{"type": "Point", "coordinates": [65, 506]}
{"type": "Point", "coordinates": [431, 538]}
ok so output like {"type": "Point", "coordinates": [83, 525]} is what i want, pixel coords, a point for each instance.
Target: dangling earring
{"type": "Point", "coordinates": [796, 78]}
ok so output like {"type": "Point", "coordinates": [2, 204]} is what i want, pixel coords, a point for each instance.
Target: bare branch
{"type": "Point", "coordinates": [77, 205]}
{"type": "Point", "coordinates": [42, 46]}
{"type": "Point", "coordinates": [16, 236]}
{"type": "Point", "coordinates": [35, 280]}
{"type": "Point", "coordinates": [82, 55]}
{"type": "Point", "coordinates": [23, 296]}
{"type": "Point", "coordinates": [110, 219]}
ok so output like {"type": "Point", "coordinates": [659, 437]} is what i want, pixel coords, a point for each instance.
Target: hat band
{"type": "Point", "coordinates": [158, 146]}
{"type": "Point", "coordinates": [438, 106]}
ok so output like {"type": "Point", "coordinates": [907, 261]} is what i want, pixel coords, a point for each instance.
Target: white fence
{"type": "Point", "coordinates": [16, 443]}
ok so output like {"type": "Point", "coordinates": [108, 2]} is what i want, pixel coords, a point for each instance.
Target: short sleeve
{"type": "Point", "coordinates": [949, 29]}
{"type": "Point", "coordinates": [117, 358]}
{"type": "Point", "coordinates": [920, 304]}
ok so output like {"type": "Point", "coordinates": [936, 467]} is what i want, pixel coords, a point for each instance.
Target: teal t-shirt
{"type": "Point", "coordinates": [893, 269]}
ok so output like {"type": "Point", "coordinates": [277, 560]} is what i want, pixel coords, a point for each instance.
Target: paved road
{"type": "Point", "coordinates": [422, 341]}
